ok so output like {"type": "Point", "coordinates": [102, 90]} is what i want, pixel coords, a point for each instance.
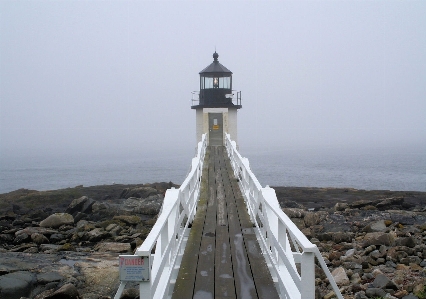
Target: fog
{"type": "Point", "coordinates": [117, 76]}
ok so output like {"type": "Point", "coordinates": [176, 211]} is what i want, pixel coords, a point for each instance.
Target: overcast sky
{"type": "Point", "coordinates": [117, 75]}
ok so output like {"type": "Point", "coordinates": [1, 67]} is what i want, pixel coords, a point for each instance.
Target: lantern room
{"type": "Point", "coordinates": [216, 87]}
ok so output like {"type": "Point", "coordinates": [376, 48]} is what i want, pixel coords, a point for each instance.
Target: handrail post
{"type": "Point", "coordinates": [308, 275]}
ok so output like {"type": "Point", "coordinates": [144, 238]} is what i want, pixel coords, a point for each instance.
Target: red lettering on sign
{"type": "Point", "coordinates": [132, 261]}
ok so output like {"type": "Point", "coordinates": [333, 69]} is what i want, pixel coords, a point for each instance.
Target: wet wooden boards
{"type": "Point", "coordinates": [222, 258]}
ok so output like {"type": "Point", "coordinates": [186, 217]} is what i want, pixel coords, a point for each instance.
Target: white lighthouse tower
{"type": "Point", "coordinates": [217, 104]}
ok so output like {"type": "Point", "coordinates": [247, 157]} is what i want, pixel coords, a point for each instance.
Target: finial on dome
{"type": "Point", "coordinates": [215, 56]}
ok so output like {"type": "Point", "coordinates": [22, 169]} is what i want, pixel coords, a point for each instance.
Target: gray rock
{"type": "Point", "coordinates": [21, 238]}
{"type": "Point", "coordinates": [130, 294]}
{"type": "Point", "coordinates": [381, 281]}
{"type": "Point", "coordinates": [67, 291]}
{"type": "Point", "coordinates": [404, 219]}
{"type": "Point", "coordinates": [410, 259]}
{"type": "Point", "coordinates": [355, 279]}
{"type": "Point", "coordinates": [410, 296]}
{"type": "Point", "coordinates": [407, 241]}
{"type": "Point", "coordinates": [100, 206]}
{"type": "Point", "coordinates": [378, 238]}
{"type": "Point", "coordinates": [350, 252]}
{"type": "Point", "coordinates": [294, 212]}
{"type": "Point", "coordinates": [312, 219]}
{"type": "Point", "coordinates": [58, 219]}
{"type": "Point", "coordinates": [339, 237]}
{"type": "Point", "coordinates": [140, 192]}
{"type": "Point", "coordinates": [82, 204]}
{"type": "Point", "coordinates": [360, 295]}
{"type": "Point", "coordinates": [16, 285]}
{"type": "Point", "coordinates": [45, 278]}
{"type": "Point", "coordinates": [40, 230]}
{"type": "Point", "coordinates": [340, 277]}
{"type": "Point", "coordinates": [378, 226]}
{"type": "Point", "coordinates": [375, 254]}
{"type": "Point", "coordinates": [375, 292]}
{"type": "Point", "coordinates": [97, 234]}
{"type": "Point", "coordinates": [113, 247]}
{"type": "Point", "coordinates": [361, 203]}
{"type": "Point", "coordinates": [393, 201]}
{"type": "Point", "coordinates": [39, 239]}
{"type": "Point", "coordinates": [55, 238]}
{"type": "Point", "coordinates": [130, 220]}
{"type": "Point", "coordinates": [341, 206]}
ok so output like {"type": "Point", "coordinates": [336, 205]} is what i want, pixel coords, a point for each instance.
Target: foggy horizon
{"type": "Point", "coordinates": [111, 77]}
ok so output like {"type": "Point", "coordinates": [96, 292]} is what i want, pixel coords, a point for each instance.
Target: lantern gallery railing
{"type": "Point", "coordinates": [156, 262]}
{"type": "Point", "coordinates": [283, 244]}
{"type": "Point", "coordinates": [234, 97]}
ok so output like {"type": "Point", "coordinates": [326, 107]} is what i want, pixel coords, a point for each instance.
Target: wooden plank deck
{"type": "Point", "coordinates": [222, 258]}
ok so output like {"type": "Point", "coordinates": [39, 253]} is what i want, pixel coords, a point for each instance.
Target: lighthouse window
{"type": "Point", "coordinates": [215, 82]}
{"type": "Point", "coordinates": [208, 83]}
{"type": "Point", "coordinates": [225, 82]}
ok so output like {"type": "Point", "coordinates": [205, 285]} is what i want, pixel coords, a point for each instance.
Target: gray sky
{"type": "Point", "coordinates": [117, 75]}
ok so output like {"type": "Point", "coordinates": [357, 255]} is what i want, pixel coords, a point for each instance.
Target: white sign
{"type": "Point", "coordinates": [134, 268]}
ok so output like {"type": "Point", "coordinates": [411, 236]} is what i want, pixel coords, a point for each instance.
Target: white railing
{"type": "Point", "coordinates": [164, 246]}
{"type": "Point", "coordinates": [289, 254]}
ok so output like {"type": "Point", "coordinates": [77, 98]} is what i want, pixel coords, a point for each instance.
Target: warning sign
{"type": "Point", "coordinates": [215, 127]}
{"type": "Point", "coordinates": [134, 268]}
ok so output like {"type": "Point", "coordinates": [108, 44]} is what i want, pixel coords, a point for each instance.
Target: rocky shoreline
{"type": "Point", "coordinates": [65, 243]}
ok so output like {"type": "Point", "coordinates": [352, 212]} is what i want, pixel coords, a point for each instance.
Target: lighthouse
{"type": "Point", "coordinates": [216, 104]}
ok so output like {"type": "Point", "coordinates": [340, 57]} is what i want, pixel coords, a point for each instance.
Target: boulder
{"type": "Point", "coordinates": [150, 206]}
{"type": "Point", "coordinates": [339, 237]}
{"type": "Point", "coordinates": [361, 203]}
{"type": "Point", "coordinates": [402, 218]}
{"type": "Point", "coordinates": [130, 294]}
{"type": "Point", "coordinates": [312, 219]}
{"type": "Point", "coordinates": [381, 281]}
{"type": "Point", "coordinates": [378, 226]}
{"type": "Point", "coordinates": [58, 219]}
{"type": "Point", "coordinates": [67, 291]}
{"type": "Point", "coordinates": [393, 201]}
{"type": "Point", "coordinates": [48, 277]}
{"type": "Point", "coordinates": [375, 293]}
{"type": "Point", "coordinates": [39, 238]}
{"type": "Point", "coordinates": [294, 212]}
{"type": "Point", "coordinates": [82, 204]}
{"type": "Point", "coordinates": [34, 229]}
{"type": "Point", "coordinates": [56, 238]}
{"type": "Point", "coordinates": [340, 277]}
{"type": "Point", "coordinates": [97, 234]}
{"type": "Point", "coordinates": [341, 206]}
{"type": "Point", "coordinates": [139, 192]}
{"type": "Point", "coordinates": [16, 285]}
{"type": "Point", "coordinates": [407, 241]}
{"type": "Point", "coordinates": [129, 220]}
{"type": "Point", "coordinates": [113, 247]}
{"type": "Point", "coordinates": [378, 238]}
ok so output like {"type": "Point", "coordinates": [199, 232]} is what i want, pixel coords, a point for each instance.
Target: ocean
{"type": "Point", "coordinates": [397, 169]}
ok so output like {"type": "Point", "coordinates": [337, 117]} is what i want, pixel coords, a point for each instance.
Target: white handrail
{"type": "Point", "coordinates": [283, 244]}
{"type": "Point", "coordinates": [166, 241]}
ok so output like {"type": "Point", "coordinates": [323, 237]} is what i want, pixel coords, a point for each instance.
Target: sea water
{"type": "Point", "coordinates": [402, 168]}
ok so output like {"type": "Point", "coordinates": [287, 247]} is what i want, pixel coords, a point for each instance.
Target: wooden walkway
{"type": "Point", "coordinates": [222, 258]}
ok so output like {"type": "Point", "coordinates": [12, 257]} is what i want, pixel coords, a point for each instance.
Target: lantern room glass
{"type": "Point", "coordinates": [215, 82]}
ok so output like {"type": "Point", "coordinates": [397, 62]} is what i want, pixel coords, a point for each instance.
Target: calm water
{"type": "Point", "coordinates": [387, 169]}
